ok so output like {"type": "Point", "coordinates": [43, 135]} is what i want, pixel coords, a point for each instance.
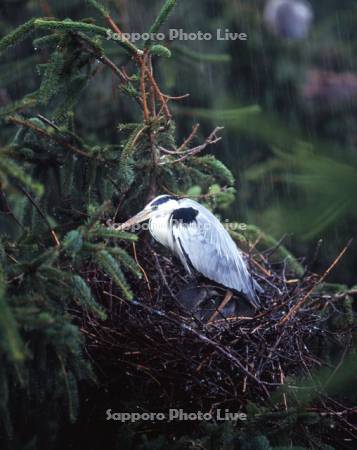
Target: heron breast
{"type": "Point", "coordinates": [160, 230]}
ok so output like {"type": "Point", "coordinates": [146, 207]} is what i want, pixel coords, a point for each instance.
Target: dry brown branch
{"type": "Point", "coordinates": [296, 307]}
{"type": "Point", "coordinates": [224, 303]}
{"type": "Point", "coordinates": [212, 139]}
{"type": "Point", "coordinates": [38, 130]}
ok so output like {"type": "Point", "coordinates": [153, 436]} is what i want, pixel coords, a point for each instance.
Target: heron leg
{"type": "Point", "coordinates": [224, 303]}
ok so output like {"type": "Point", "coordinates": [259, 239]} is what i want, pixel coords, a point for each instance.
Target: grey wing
{"type": "Point", "coordinates": [207, 246]}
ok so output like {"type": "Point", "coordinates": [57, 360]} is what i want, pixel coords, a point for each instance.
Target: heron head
{"type": "Point", "coordinates": [159, 206]}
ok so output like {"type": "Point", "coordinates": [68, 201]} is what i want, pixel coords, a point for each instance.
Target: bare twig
{"type": "Point", "coordinates": [42, 214]}
{"type": "Point", "coordinates": [224, 303]}
{"type": "Point", "coordinates": [296, 307]}
{"type": "Point", "coordinates": [32, 126]}
{"type": "Point", "coordinates": [212, 139]}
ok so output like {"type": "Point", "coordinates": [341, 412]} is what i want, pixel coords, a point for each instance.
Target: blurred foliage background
{"type": "Point", "coordinates": [293, 150]}
{"type": "Point", "coordinates": [288, 108]}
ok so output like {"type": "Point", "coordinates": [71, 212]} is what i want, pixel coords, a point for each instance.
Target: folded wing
{"type": "Point", "coordinates": [201, 242]}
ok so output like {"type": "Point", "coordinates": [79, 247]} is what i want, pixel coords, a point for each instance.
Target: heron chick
{"type": "Point", "coordinates": [200, 241]}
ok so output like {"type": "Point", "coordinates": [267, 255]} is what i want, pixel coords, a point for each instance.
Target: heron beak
{"type": "Point", "coordinates": [138, 218]}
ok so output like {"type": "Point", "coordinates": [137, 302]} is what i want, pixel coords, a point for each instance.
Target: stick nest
{"type": "Point", "coordinates": [177, 358]}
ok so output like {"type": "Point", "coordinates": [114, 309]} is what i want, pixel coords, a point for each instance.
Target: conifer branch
{"type": "Point", "coordinates": [159, 94]}
{"type": "Point", "coordinates": [110, 266]}
{"type": "Point", "coordinates": [32, 126]}
{"type": "Point", "coordinates": [106, 14]}
{"type": "Point", "coordinates": [126, 43]}
{"type": "Point", "coordinates": [95, 215]}
{"type": "Point", "coordinates": [47, 41]}
{"type": "Point", "coordinates": [218, 58]}
{"type": "Point", "coordinates": [86, 28]}
{"type": "Point", "coordinates": [11, 169]}
{"type": "Point", "coordinates": [99, 7]}
{"type": "Point", "coordinates": [29, 101]}
{"type": "Point", "coordinates": [162, 16]}
{"type": "Point", "coordinates": [42, 214]}
{"type": "Point", "coordinates": [69, 25]}
{"type": "Point", "coordinates": [8, 327]}
{"type": "Point", "coordinates": [85, 297]}
{"type": "Point", "coordinates": [126, 260]}
{"type": "Point", "coordinates": [143, 89]}
{"type": "Point", "coordinates": [106, 233]}
{"type": "Point", "coordinates": [17, 35]}
{"type": "Point", "coordinates": [98, 52]}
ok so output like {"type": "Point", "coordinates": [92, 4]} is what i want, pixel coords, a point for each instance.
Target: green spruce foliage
{"type": "Point", "coordinates": [58, 188]}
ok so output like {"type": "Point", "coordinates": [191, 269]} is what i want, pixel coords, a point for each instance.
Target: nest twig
{"type": "Point", "coordinates": [230, 360]}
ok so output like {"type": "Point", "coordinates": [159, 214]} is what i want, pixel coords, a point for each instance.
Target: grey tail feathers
{"type": "Point", "coordinates": [252, 295]}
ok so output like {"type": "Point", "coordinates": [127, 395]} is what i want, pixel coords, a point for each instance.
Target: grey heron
{"type": "Point", "coordinates": [199, 240]}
